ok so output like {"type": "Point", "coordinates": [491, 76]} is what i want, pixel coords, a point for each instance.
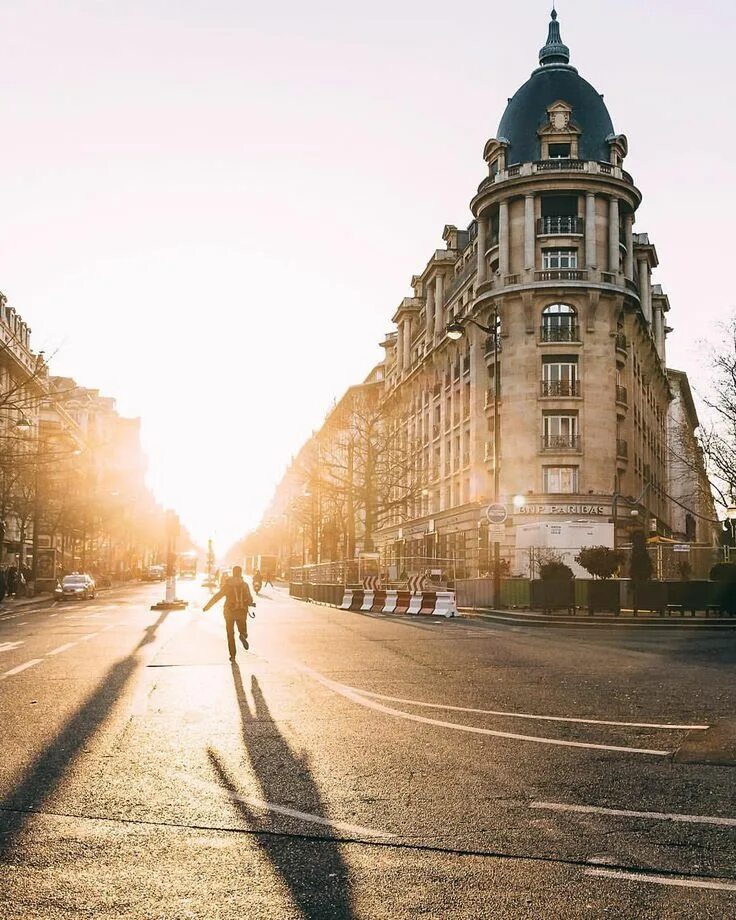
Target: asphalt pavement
{"type": "Point", "coordinates": [359, 766]}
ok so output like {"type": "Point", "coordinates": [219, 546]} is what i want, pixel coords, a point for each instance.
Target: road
{"type": "Point", "coordinates": [352, 766]}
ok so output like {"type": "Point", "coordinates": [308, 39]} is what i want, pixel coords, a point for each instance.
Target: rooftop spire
{"type": "Point", "coordinates": [554, 52]}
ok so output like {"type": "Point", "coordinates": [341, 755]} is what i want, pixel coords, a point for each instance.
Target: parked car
{"type": "Point", "coordinates": [154, 573]}
{"type": "Point", "coordinates": [76, 587]}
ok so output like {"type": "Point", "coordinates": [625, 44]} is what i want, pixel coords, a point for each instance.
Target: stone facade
{"type": "Point", "coordinates": [552, 257]}
{"type": "Point", "coordinates": [551, 393]}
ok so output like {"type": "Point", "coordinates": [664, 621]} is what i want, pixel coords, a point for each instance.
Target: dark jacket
{"type": "Point", "coordinates": [236, 593]}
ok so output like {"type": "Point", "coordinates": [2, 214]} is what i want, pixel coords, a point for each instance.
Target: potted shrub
{"type": "Point", "coordinates": [602, 563]}
{"type": "Point", "coordinates": [648, 594]}
{"type": "Point", "coordinates": [557, 586]}
{"type": "Point", "coordinates": [688, 593]}
{"type": "Point", "coordinates": [723, 576]}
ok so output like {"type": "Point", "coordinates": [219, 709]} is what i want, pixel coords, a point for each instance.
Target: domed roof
{"type": "Point", "coordinates": [555, 80]}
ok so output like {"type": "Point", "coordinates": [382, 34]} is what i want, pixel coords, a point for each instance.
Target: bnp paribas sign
{"type": "Point", "coordinates": [552, 508]}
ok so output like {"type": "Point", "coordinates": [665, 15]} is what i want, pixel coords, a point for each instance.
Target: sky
{"type": "Point", "coordinates": [210, 209]}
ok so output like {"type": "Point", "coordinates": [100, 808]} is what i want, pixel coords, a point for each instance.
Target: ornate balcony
{"type": "Point", "coordinates": [622, 448]}
{"type": "Point", "coordinates": [560, 226]}
{"type": "Point", "coordinates": [559, 442]}
{"type": "Point", "coordinates": [561, 274]}
{"type": "Point", "coordinates": [622, 395]}
{"type": "Point", "coordinates": [567, 333]}
{"type": "Point", "coordinates": [621, 341]}
{"type": "Point", "coordinates": [557, 165]}
{"type": "Point", "coordinates": [560, 388]}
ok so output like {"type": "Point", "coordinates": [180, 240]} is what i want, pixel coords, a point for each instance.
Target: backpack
{"type": "Point", "coordinates": [238, 596]}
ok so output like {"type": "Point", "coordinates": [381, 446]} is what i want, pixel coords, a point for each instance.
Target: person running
{"type": "Point", "coordinates": [237, 601]}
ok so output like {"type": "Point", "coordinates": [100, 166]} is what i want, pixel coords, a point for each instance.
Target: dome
{"type": "Point", "coordinates": [555, 80]}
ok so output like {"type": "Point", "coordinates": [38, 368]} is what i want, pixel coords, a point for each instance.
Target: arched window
{"type": "Point", "coordinates": [559, 323]}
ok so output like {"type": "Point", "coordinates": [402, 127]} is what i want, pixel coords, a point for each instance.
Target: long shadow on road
{"type": "Point", "coordinates": [47, 770]}
{"type": "Point", "coordinates": [314, 871]}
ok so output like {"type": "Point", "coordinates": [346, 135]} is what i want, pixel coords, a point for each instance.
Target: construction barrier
{"type": "Point", "coordinates": [379, 602]}
{"type": "Point", "coordinates": [428, 603]}
{"type": "Point", "coordinates": [392, 598]}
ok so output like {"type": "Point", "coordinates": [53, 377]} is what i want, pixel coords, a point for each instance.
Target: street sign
{"type": "Point", "coordinates": [496, 513]}
{"type": "Point", "coordinates": [681, 548]}
{"type": "Point", "coordinates": [497, 530]}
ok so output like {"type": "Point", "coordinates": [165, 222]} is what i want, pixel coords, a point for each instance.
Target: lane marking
{"type": "Point", "coordinates": [9, 646]}
{"type": "Point", "coordinates": [625, 813]}
{"type": "Point", "coordinates": [282, 809]}
{"type": "Point", "coordinates": [88, 636]}
{"type": "Point", "coordinates": [354, 696]}
{"type": "Point", "coordinates": [527, 715]}
{"type": "Point", "coordinates": [712, 884]}
{"type": "Point", "coordinates": [61, 648]}
{"type": "Point", "coordinates": [22, 667]}
{"type": "Point", "coordinates": [53, 615]}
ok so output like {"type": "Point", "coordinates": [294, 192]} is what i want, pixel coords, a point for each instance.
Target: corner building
{"type": "Point", "coordinates": [552, 256]}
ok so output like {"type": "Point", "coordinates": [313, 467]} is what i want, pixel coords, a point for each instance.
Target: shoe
{"type": "Point", "coordinates": [245, 644]}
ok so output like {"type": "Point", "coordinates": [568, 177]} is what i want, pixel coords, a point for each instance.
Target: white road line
{"type": "Point", "coordinates": [61, 648]}
{"type": "Point", "coordinates": [624, 813]}
{"type": "Point", "coordinates": [712, 884]}
{"type": "Point", "coordinates": [526, 715]}
{"type": "Point", "coordinates": [88, 636]}
{"type": "Point", "coordinates": [9, 646]}
{"type": "Point", "coordinates": [282, 809]}
{"type": "Point", "coordinates": [355, 697]}
{"type": "Point", "coordinates": [53, 615]}
{"type": "Point", "coordinates": [22, 667]}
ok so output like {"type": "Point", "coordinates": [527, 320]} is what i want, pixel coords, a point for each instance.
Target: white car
{"type": "Point", "coordinates": [76, 588]}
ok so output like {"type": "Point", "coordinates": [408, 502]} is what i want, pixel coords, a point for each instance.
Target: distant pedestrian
{"type": "Point", "coordinates": [237, 601]}
{"type": "Point", "coordinates": [11, 579]}
{"type": "Point", "coordinates": [3, 584]}
{"type": "Point", "coordinates": [269, 579]}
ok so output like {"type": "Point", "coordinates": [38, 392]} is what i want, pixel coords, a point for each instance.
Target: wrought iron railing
{"type": "Point", "coordinates": [622, 395]}
{"type": "Point", "coordinates": [561, 442]}
{"type": "Point", "coordinates": [560, 226]}
{"type": "Point", "coordinates": [560, 388]}
{"type": "Point", "coordinates": [563, 333]}
{"type": "Point", "coordinates": [622, 448]}
{"type": "Point", "coordinates": [620, 341]}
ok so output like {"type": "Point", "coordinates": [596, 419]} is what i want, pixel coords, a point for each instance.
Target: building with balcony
{"type": "Point", "coordinates": [558, 404]}
{"type": "Point", "coordinates": [578, 425]}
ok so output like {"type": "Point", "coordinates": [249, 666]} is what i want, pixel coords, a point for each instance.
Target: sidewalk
{"type": "Point", "coordinates": [10, 604]}
{"type": "Point", "coordinates": [583, 620]}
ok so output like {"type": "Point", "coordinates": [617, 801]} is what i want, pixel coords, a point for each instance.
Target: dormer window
{"type": "Point", "coordinates": [559, 151]}
{"type": "Point", "coordinates": [558, 139]}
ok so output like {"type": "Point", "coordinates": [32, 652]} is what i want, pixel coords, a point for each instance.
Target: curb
{"type": "Point", "coordinates": [597, 621]}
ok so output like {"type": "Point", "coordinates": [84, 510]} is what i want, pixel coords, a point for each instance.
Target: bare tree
{"type": "Point", "coordinates": [718, 440]}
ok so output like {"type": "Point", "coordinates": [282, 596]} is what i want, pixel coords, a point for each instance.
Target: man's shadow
{"type": "Point", "coordinates": [313, 869]}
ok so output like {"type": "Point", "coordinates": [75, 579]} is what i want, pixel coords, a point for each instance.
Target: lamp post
{"type": "Point", "coordinates": [456, 330]}
{"type": "Point", "coordinates": [731, 518]}
{"type": "Point", "coordinates": [629, 500]}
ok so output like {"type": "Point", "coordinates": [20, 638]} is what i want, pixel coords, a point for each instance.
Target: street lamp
{"type": "Point", "coordinates": [456, 330]}
{"type": "Point", "coordinates": [731, 518]}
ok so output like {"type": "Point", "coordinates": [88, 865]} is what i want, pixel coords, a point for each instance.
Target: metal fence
{"type": "Point", "coordinates": [669, 563]}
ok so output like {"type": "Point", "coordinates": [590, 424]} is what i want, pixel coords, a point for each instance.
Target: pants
{"type": "Point", "coordinates": [233, 618]}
